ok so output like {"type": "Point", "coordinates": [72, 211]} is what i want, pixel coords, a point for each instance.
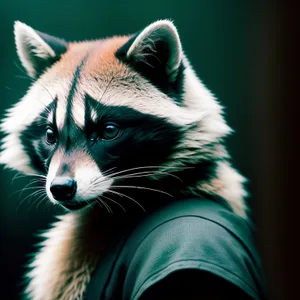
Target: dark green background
{"type": "Point", "coordinates": [217, 36]}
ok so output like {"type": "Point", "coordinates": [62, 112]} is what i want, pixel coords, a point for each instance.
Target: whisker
{"type": "Point", "coordinates": [135, 175]}
{"type": "Point", "coordinates": [99, 202]}
{"type": "Point", "coordinates": [37, 175]}
{"type": "Point", "coordinates": [117, 203]}
{"type": "Point", "coordinates": [142, 188]}
{"type": "Point", "coordinates": [28, 184]}
{"type": "Point", "coordinates": [107, 206]}
{"type": "Point", "coordinates": [145, 174]}
{"type": "Point", "coordinates": [21, 175]}
{"type": "Point", "coordinates": [31, 195]}
{"type": "Point", "coordinates": [124, 195]}
{"type": "Point", "coordinates": [17, 176]}
{"type": "Point", "coordinates": [41, 200]}
{"type": "Point", "coordinates": [147, 167]}
{"type": "Point", "coordinates": [28, 187]}
{"type": "Point", "coordinates": [35, 201]}
{"type": "Point", "coordinates": [106, 173]}
{"type": "Point", "coordinates": [34, 194]}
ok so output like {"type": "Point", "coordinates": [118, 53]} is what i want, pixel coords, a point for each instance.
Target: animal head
{"type": "Point", "coordinates": [102, 112]}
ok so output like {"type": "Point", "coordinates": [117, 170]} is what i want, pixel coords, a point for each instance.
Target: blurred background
{"type": "Point", "coordinates": [243, 51]}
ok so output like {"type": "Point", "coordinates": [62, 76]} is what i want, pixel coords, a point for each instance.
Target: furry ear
{"type": "Point", "coordinates": [36, 50]}
{"type": "Point", "coordinates": [155, 52]}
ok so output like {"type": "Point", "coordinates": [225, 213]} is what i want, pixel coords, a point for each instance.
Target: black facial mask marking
{"type": "Point", "coordinates": [33, 139]}
{"type": "Point", "coordinates": [145, 140]}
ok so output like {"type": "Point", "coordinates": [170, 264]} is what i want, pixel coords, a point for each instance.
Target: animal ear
{"type": "Point", "coordinates": [37, 50]}
{"type": "Point", "coordinates": [155, 52]}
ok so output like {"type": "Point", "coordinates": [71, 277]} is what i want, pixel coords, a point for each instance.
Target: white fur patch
{"type": "Point", "coordinates": [12, 154]}
{"type": "Point", "coordinates": [53, 167]}
{"type": "Point", "coordinates": [62, 95]}
{"type": "Point", "coordinates": [60, 114]}
{"type": "Point", "coordinates": [78, 109]}
{"type": "Point", "coordinates": [17, 119]}
{"type": "Point", "coordinates": [90, 183]}
{"type": "Point", "coordinates": [233, 190]}
{"type": "Point", "coordinates": [50, 117]}
{"type": "Point", "coordinates": [94, 115]}
{"type": "Point", "coordinates": [197, 97]}
{"type": "Point", "coordinates": [143, 97]}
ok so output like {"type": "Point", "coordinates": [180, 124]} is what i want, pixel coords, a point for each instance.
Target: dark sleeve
{"type": "Point", "coordinates": [193, 256]}
{"type": "Point", "coordinates": [192, 285]}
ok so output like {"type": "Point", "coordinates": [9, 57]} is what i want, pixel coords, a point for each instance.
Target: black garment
{"type": "Point", "coordinates": [186, 250]}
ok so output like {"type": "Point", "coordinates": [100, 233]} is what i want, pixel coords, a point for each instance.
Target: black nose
{"type": "Point", "coordinates": [63, 188]}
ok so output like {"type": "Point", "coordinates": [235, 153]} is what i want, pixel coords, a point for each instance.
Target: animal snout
{"type": "Point", "coordinates": [63, 188]}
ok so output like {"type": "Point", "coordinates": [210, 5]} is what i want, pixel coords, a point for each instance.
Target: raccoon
{"type": "Point", "coordinates": [120, 122]}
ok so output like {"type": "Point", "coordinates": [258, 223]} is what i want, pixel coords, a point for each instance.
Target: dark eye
{"type": "Point", "coordinates": [50, 136]}
{"type": "Point", "coordinates": [110, 131]}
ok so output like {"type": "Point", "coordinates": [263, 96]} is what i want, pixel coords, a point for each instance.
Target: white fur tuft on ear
{"type": "Point", "coordinates": [159, 31]}
{"type": "Point", "coordinates": [29, 44]}
{"type": "Point", "coordinates": [35, 49]}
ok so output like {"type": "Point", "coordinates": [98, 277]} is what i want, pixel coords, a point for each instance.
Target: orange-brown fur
{"type": "Point", "coordinates": [100, 60]}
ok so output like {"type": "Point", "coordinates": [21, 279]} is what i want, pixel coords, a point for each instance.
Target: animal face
{"type": "Point", "coordinates": [104, 112]}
